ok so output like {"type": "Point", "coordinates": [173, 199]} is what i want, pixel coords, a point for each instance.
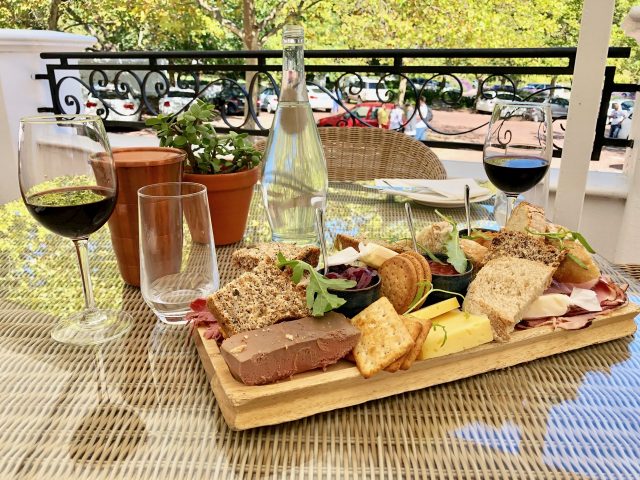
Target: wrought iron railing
{"type": "Point", "coordinates": [126, 87]}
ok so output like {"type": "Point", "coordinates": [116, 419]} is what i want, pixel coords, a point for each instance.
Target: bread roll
{"type": "Point", "coordinates": [570, 272]}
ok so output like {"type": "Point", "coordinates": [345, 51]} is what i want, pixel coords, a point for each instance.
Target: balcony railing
{"type": "Point", "coordinates": [126, 87]}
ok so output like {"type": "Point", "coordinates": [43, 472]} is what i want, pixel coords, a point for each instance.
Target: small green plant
{"type": "Point", "coordinates": [207, 152]}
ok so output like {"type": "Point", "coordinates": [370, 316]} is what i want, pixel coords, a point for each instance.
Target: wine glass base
{"type": "Point", "coordinates": [92, 327]}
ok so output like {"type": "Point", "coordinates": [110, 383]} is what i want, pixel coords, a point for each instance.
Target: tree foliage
{"type": "Point", "coordinates": [236, 24]}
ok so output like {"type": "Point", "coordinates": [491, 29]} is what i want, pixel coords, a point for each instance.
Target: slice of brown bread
{"type": "Point", "coordinates": [527, 217]}
{"type": "Point", "coordinates": [521, 245]}
{"type": "Point", "coordinates": [503, 290]}
{"type": "Point", "coordinates": [247, 258]}
{"type": "Point", "coordinates": [343, 241]}
{"type": "Point", "coordinates": [257, 299]}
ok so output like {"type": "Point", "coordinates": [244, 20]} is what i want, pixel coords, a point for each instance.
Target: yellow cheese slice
{"type": "Point", "coordinates": [436, 309]}
{"type": "Point", "coordinates": [463, 331]}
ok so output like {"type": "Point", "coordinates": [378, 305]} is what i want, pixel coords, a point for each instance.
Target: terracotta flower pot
{"type": "Point", "coordinates": [137, 167]}
{"type": "Point", "coordinates": [229, 200]}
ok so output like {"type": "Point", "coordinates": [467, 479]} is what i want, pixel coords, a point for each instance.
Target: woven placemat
{"type": "Point", "coordinates": [142, 408]}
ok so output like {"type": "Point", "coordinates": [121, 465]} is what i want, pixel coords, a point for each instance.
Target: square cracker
{"type": "Point", "coordinates": [410, 357]}
{"type": "Point", "coordinates": [415, 329]}
{"type": "Point", "coordinates": [384, 337]}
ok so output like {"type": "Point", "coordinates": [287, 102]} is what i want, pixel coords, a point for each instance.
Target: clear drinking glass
{"type": "Point", "coordinates": [177, 251]}
{"type": "Point", "coordinates": [68, 183]}
{"type": "Point", "coordinates": [518, 148]}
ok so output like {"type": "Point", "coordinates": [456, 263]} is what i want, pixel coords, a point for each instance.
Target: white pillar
{"type": "Point", "coordinates": [628, 238]}
{"type": "Point", "coordinates": [21, 94]}
{"type": "Point", "coordinates": [586, 90]}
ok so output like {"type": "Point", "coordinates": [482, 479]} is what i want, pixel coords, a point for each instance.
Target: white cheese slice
{"type": "Point", "coordinates": [586, 299]}
{"type": "Point", "coordinates": [551, 305]}
{"type": "Point", "coordinates": [343, 257]}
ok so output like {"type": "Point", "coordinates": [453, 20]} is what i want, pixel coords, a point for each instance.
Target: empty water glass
{"type": "Point", "coordinates": [177, 251]}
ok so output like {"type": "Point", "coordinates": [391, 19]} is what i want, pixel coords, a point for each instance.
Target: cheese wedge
{"type": "Point", "coordinates": [436, 309]}
{"type": "Point", "coordinates": [463, 331]}
{"type": "Point", "coordinates": [375, 255]}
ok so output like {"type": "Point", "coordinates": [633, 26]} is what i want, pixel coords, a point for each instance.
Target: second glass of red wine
{"type": "Point", "coordinates": [518, 148]}
{"type": "Point", "coordinates": [69, 185]}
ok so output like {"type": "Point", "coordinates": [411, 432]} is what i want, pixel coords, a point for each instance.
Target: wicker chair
{"type": "Point", "coordinates": [369, 153]}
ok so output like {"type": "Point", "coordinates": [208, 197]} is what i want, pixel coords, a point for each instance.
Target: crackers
{"type": "Point", "coordinates": [400, 278]}
{"type": "Point", "coordinates": [384, 337]}
{"type": "Point", "coordinates": [399, 282]}
{"type": "Point", "coordinates": [414, 327]}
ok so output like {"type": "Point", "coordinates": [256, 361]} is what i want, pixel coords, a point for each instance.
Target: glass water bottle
{"type": "Point", "coordinates": [294, 176]}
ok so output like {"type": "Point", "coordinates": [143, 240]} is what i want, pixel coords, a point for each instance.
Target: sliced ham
{"type": "Point", "coordinates": [610, 295]}
{"type": "Point", "coordinates": [200, 316]}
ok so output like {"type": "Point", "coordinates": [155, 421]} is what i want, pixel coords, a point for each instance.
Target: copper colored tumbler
{"type": "Point", "coordinates": [137, 167]}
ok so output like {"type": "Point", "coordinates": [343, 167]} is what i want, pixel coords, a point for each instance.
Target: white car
{"type": "Point", "coordinates": [268, 100]}
{"type": "Point", "coordinates": [318, 99]}
{"type": "Point", "coordinates": [122, 108]}
{"type": "Point", "coordinates": [559, 106]}
{"type": "Point", "coordinates": [175, 100]}
{"type": "Point", "coordinates": [366, 90]}
{"type": "Point", "coordinates": [487, 101]}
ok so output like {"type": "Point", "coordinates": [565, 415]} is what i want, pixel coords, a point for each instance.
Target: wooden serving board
{"type": "Point", "coordinates": [341, 385]}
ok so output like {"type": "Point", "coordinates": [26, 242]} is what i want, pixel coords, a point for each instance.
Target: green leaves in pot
{"type": "Point", "coordinates": [207, 152]}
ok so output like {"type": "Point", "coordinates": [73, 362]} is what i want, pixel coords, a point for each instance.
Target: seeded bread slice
{"type": "Point", "coordinates": [343, 241]}
{"type": "Point", "coordinates": [503, 290]}
{"type": "Point", "coordinates": [521, 245]}
{"type": "Point", "coordinates": [257, 299]}
{"type": "Point", "coordinates": [248, 258]}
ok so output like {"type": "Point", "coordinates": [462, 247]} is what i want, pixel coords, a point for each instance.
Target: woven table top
{"type": "Point", "coordinates": [141, 407]}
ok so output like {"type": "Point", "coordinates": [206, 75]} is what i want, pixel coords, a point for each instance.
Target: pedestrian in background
{"type": "Point", "coordinates": [423, 118]}
{"type": "Point", "coordinates": [411, 116]}
{"type": "Point", "coordinates": [396, 118]}
{"type": "Point", "coordinates": [383, 117]}
{"type": "Point", "coordinates": [616, 116]}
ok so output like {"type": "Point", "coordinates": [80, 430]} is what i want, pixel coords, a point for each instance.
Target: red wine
{"type": "Point", "coordinates": [74, 212]}
{"type": "Point", "coordinates": [515, 174]}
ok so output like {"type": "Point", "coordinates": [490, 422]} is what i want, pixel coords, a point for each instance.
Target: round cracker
{"type": "Point", "coordinates": [423, 262]}
{"type": "Point", "coordinates": [416, 264]}
{"type": "Point", "coordinates": [399, 282]}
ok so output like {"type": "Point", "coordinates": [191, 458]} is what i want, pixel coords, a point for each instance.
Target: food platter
{"type": "Point", "coordinates": [341, 385]}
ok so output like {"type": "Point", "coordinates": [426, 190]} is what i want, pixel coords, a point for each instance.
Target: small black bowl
{"type": "Point", "coordinates": [457, 283]}
{"type": "Point", "coordinates": [463, 233]}
{"type": "Point", "coordinates": [358, 300]}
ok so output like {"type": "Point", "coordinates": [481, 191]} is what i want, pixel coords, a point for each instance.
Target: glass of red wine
{"type": "Point", "coordinates": [68, 183]}
{"type": "Point", "coordinates": [518, 148]}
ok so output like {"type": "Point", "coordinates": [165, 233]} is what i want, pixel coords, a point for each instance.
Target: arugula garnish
{"type": "Point", "coordinates": [476, 234]}
{"type": "Point", "coordinates": [444, 329]}
{"type": "Point", "coordinates": [319, 300]}
{"type": "Point", "coordinates": [455, 255]}
{"type": "Point", "coordinates": [563, 235]}
{"type": "Point", "coordinates": [424, 290]}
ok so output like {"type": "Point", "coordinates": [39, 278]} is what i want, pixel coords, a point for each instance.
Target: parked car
{"type": "Point", "coordinates": [535, 87]}
{"type": "Point", "coordinates": [268, 99]}
{"type": "Point", "coordinates": [366, 89]}
{"type": "Point", "coordinates": [367, 111]}
{"type": "Point", "coordinates": [122, 108]}
{"type": "Point", "coordinates": [559, 106]}
{"type": "Point", "coordinates": [318, 99]}
{"type": "Point", "coordinates": [626, 105]}
{"type": "Point", "coordinates": [230, 99]}
{"type": "Point", "coordinates": [487, 100]}
{"type": "Point", "coordinates": [175, 100]}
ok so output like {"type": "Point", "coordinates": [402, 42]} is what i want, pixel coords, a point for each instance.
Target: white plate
{"type": "Point", "coordinates": [434, 200]}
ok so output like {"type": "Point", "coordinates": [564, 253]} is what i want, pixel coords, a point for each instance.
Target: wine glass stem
{"type": "Point", "coordinates": [511, 200]}
{"type": "Point", "coordinates": [83, 262]}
